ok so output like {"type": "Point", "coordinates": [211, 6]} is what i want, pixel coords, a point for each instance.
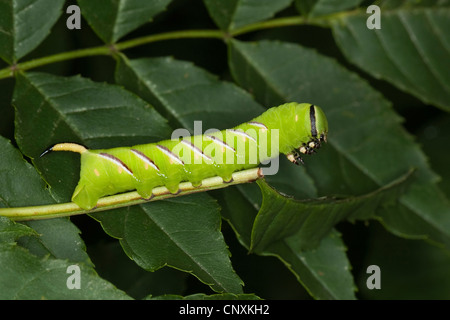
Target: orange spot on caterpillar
{"type": "Point", "coordinates": [97, 173]}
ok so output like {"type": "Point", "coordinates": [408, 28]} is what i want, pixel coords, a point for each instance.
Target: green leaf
{"type": "Point", "coordinates": [58, 237]}
{"type": "Point", "coordinates": [114, 265]}
{"type": "Point", "coordinates": [25, 276]}
{"type": "Point", "coordinates": [355, 111]}
{"type": "Point", "coordinates": [309, 221]}
{"type": "Point", "coordinates": [243, 198]}
{"type": "Point", "coordinates": [433, 137]}
{"type": "Point", "coordinates": [183, 233]}
{"type": "Point", "coordinates": [411, 50]}
{"type": "Point", "coordinates": [292, 180]}
{"type": "Point", "coordinates": [184, 93]}
{"type": "Point", "coordinates": [298, 233]}
{"type": "Point", "coordinates": [52, 109]}
{"type": "Point", "coordinates": [315, 8]}
{"type": "Point", "coordinates": [20, 185]}
{"type": "Point", "coordinates": [202, 296]}
{"type": "Point", "coordinates": [10, 231]}
{"type": "Point", "coordinates": [333, 173]}
{"type": "Point", "coordinates": [232, 14]}
{"type": "Point", "coordinates": [24, 24]}
{"type": "Point", "coordinates": [402, 269]}
{"type": "Point", "coordinates": [113, 19]}
{"type": "Point", "coordinates": [324, 271]}
{"type": "Point", "coordinates": [395, 4]}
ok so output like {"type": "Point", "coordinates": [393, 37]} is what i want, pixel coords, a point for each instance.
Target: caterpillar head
{"type": "Point", "coordinates": [317, 130]}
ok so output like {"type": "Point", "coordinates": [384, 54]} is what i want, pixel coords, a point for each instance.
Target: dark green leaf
{"type": "Point", "coordinates": [395, 4]}
{"type": "Point", "coordinates": [114, 265]}
{"type": "Point", "coordinates": [433, 137]}
{"type": "Point", "coordinates": [11, 231]}
{"type": "Point", "coordinates": [232, 14]}
{"type": "Point", "coordinates": [202, 296]}
{"type": "Point", "coordinates": [58, 237]}
{"type": "Point", "coordinates": [24, 24]}
{"type": "Point", "coordinates": [185, 93]}
{"type": "Point", "coordinates": [113, 19]}
{"type": "Point", "coordinates": [20, 185]}
{"type": "Point", "coordinates": [411, 50]}
{"type": "Point", "coordinates": [311, 220]}
{"type": "Point", "coordinates": [25, 276]}
{"type": "Point", "coordinates": [409, 270]}
{"type": "Point", "coordinates": [323, 271]}
{"type": "Point", "coordinates": [315, 8]}
{"type": "Point", "coordinates": [183, 233]}
{"type": "Point", "coordinates": [243, 198]}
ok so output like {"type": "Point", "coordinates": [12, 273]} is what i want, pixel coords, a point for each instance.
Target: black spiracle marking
{"type": "Point", "coordinates": [312, 118]}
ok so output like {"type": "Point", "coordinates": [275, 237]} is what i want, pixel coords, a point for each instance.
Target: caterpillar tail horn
{"type": "Point", "coordinates": [72, 147]}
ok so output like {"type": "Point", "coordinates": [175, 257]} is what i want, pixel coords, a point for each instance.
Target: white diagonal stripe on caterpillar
{"type": "Point", "coordinates": [222, 143]}
{"type": "Point", "coordinates": [117, 161]}
{"type": "Point", "coordinates": [257, 124]}
{"type": "Point", "coordinates": [241, 133]}
{"type": "Point", "coordinates": [170, 154]}
{"type": "Point", "coordinates": [195, 149]}
{"type": "Point", "coordinates": [144, 158]}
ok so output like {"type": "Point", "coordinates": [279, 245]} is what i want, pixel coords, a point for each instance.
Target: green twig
{"type": "Point", "coordinates": [125, 199]}
{"type": "Point", "coordinates": [186, 34]}
{"type": "Point", "coordinates": [275, 23]}
{"type": "Point", "coordinates": [9, 71]}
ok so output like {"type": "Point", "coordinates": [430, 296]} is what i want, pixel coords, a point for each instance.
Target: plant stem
{"type": "Point", "coordinates": [275, 23]}
{"type": "Point", "coordinates": [125, 199]}
{"type": "Point", "coordinates": [9, 71]}
{"type": "Point", "coordinates": [186, 34]}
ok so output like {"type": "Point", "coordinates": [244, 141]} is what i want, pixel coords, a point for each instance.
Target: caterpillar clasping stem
{"type": "Point", "coordinates": [293, 129]}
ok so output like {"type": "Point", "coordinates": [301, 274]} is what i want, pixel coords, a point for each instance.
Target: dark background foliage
{"type": "Point", "coordinates": [384, 172]}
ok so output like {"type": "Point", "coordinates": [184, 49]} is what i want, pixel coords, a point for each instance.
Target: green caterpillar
{"type": "Point", "coordinates": [292, 129]}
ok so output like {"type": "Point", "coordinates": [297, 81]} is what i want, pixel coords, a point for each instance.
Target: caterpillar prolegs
{"type": "Point", "coordinates": [292, 129]}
